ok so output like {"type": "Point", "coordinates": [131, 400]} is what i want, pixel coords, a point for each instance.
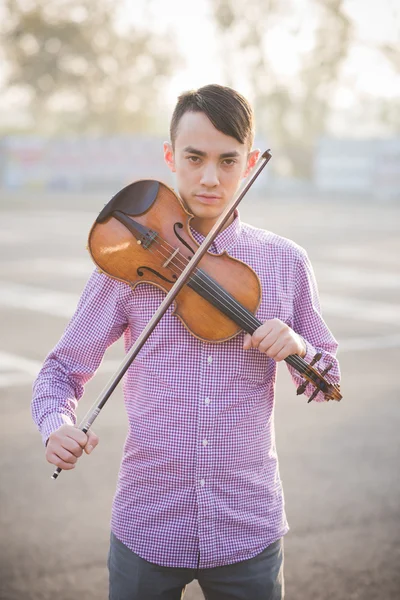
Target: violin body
{"type": "Point", "coordinates": [143, 236]}
{"type": "Point", "coordinates": [144, 259]}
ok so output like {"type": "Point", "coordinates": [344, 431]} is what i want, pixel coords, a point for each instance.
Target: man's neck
{"type": "Point", "coordinates": [204, 226]}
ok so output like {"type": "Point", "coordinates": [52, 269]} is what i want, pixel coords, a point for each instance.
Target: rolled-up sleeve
{"type": "Point", "coordinates": [98, 322]}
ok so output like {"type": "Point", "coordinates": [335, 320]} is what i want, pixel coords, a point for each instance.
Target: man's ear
{"type": "Point", "coordinates": [252, 158]}
{"type": "Point", "coordinates": [169, 156]}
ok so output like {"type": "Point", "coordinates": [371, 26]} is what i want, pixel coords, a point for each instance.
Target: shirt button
{"type": "Point", "coordinates": [202, 482]}
{"type": "Point", "coordinates": [205, 442]}
{"type": "Point", "coordinates": [207, 401]}
{"type": "Point", "coordinates": [209, 360]}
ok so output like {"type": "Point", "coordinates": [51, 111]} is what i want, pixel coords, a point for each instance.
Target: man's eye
{"type": "Point", "coordinates": [194, 159]}
{"type": "Point", "coordinates": [229, 162]}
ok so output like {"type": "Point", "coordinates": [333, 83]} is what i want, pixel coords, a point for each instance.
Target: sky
{"type": "Point", "coordinates": [376, 22]}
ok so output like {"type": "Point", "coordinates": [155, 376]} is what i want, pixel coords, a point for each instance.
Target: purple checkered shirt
{"type": "Point", "coordinates": [199, 481]}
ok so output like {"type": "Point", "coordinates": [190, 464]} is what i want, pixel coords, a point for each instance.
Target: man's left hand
{"type": "Point", "coordinates": [276, 339]}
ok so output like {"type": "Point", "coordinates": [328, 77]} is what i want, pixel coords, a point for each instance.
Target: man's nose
{"type": "Point", "coordinates": [209, 176]}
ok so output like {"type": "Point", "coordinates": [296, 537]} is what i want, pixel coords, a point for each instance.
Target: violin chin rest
{"type": "Point", "coordinates": [134, 199]}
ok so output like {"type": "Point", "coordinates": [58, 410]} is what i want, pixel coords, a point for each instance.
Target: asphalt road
{"type": "Point", "coordinates": [339, 461]}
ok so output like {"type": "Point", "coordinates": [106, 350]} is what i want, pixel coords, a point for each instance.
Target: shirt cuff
{"type": "Point", "coordinates": [310, 352]}
{"type": "Point", "coordinates": [53, 422]}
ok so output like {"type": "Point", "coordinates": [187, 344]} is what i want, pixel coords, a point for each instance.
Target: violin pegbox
{"type": "Point", "coordinates": [303, 386]}
{"type": "Point", "coordinates": [334, 389]}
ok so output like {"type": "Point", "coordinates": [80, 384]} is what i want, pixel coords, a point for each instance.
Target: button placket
{"type": "Point", "coordinates": [205, 502]}
{"type": "Point", "coordinates": [206, 400]}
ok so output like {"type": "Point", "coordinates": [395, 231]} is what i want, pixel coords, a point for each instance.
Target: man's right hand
{"type": "Point", "coordinates": [66, 444]}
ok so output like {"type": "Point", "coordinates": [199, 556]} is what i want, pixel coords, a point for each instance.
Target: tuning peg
{"type": "Point", "coordinates": [302, 388]}
{"type": "Point", "coordinates": [316, 358]}
{"type": "Point", "coordinates": [324, 372]}
{"type": "Point", "coordinates": [328, 368]}
{"type": "Point", "coordinates": [311, 398]}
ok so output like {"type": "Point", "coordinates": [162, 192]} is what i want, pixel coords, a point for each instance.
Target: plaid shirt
{"type": "Point", "coordinates": [199, 481]}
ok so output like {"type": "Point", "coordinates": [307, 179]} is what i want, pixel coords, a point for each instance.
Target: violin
{"type": "Point", "coordinates": [143, 236]}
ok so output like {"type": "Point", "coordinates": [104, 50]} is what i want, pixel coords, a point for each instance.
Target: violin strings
{"type": "Point", "coordinates": [251, 319]}
{"type": "Point", "coordinates": [296, 361]}
{"type": "Point", "coordinates": [236, 307]}
{"type": "Point", "coordinates": [243, 312]}
{"type": "Point", "coordinates": [210, 288]}
{"type": "Point", "coordinates": [201, 278]}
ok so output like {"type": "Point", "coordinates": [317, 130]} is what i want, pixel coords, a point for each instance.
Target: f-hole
{"type": "Point", "coordinates": [180, 226]}
{"type": "Point", "coordinates": [140, 270]}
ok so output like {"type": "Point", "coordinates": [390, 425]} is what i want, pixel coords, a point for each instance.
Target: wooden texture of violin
{"type": "Point", "coordinates": [143, 236]}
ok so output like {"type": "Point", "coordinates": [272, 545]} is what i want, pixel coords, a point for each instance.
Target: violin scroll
{"type": "Point", "coordinates": [331, 391]}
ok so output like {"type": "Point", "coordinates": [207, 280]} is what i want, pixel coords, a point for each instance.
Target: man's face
{"type": "Point", "coordinates": [209, 167]}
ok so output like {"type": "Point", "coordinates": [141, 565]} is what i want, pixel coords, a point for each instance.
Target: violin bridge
{"type": "Point", "coordinates": [171, 258]}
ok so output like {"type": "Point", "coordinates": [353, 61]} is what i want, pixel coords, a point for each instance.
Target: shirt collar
{"type": "Point", "coordinates": [226, 238]}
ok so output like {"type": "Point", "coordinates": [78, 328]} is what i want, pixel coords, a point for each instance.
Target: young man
{"type": "Point", "coordinates": [199, 494]}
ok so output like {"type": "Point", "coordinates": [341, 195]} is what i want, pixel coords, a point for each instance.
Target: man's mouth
{"type": "Point", "coordinates": [208, 198]}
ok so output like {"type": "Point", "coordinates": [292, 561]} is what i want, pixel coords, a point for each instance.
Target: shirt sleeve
{"type": "Point", "coordinates": [308, 322]}
{"type": "Point", "coordinates": [98, 322]}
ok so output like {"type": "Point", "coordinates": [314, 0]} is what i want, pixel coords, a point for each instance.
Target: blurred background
{"type": "Point", "coordinates": [87, 88]}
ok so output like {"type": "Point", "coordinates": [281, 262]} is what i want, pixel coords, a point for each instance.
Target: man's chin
{"type": "Point", "coordinates": [206, 214]}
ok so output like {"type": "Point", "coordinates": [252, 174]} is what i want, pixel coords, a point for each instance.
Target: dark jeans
{"type": "Point", "coordinates": [133, 578]}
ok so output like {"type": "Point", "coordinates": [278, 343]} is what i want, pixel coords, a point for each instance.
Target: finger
{"type": "Point", "coordinates": [275, 349]}
{"type": "Point", "coordinates": [261, 333]}
{"type": "Point", "coordinates": [64, 454]}
{"type": "Point", "coordinates": [247, 342]}
{"type": "Point", "coordinates": [256, 338]}
{"type": "Point", "coordinates": [78, 435]}
{"type": "Point", "coordinates": [267, 342]}
{"type": "Point", "coordinates": [54, 459]}
{"type": "Point", "coordinates": [92, 442]}
{"type": "Point", "coordinates": [73, 446]}
{"type": "Point", "coordinates": [284, 353]}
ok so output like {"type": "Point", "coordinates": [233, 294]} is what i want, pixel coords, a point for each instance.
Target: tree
{"type": "Point", "coordinates": [78, 72]}
{"type": "Point", "coordinates": [292, 114]}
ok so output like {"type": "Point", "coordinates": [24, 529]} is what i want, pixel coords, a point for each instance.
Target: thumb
{"type": "Point", "coordinates": [92, 441]}
{"type": "Point", "coordinates": [247, 341]}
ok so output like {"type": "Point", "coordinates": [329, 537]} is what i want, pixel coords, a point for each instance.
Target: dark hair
{"type": "Point", "coordinates": [227, 110]}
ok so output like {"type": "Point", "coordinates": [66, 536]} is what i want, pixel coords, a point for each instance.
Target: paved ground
{"type": "Point", "coordinates": [339, 462]}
